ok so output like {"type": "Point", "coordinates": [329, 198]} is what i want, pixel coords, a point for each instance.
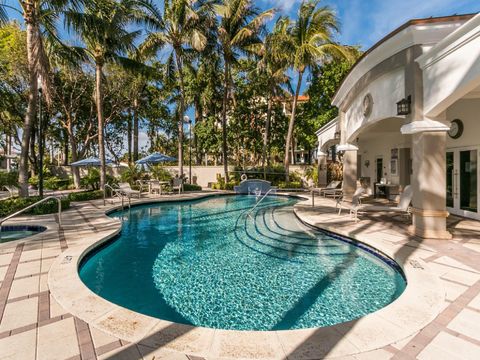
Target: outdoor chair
{"type": "Point", "coordinates": [128, 191]}
{"type": "Point", "coordinates": [403, 206]}
{"type": "Point", "coordinates": [12, 190]}
{"type": "Point", "coordinates": [356, 202]}
{"type": "Point", "coordinates": [333, 189]}
{"type": "Point", "coordinates": [177, 184]}
{"type": "Point", "coordinates": [155, 187]}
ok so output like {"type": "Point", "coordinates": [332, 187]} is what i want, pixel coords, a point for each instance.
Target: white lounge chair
{"type": "Point", "coordinates": [403, 206]}
{"type": "Point", "coordinates": [128, 191]}
{"type": "Point", "coordinates": [334, 188]}
{"type": "Point", "coordinates": [356, 202]}
{"type": "Point", "coordinates": [12, 190]}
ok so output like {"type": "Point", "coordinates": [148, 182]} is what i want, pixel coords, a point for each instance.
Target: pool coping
{"type": "Point", "coordinates": [418, 305]}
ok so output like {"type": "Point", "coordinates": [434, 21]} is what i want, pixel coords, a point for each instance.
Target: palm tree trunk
{"type": "Point", "coordinates": [182, 113]}
{"type": "Point", "coordinates": [135, 129]}
{"type": "Point", "coordinates": [291, 126]}
{"type": "Point", "coordinates": [74, 151]}
{"type": "Point", "coordinates": [224, 123]}
{"type": "Point", "coordinates": [198, 118]}
{"type": "Point", "coordinates": [33, 154]}
{"type": "Point", "coordinates": [129, 137]}
{"type": "Point", "coordinates": [101, 140]}
{"type": "Point", "coordinates": [32, 38]}
{"type": "Point", "coordinates": [266, 135]}
{"type": "Point", "coordinates": [66, 148]}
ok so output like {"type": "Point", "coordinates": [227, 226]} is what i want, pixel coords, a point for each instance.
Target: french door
{"type": "Point", "coordinates": [463, 185]}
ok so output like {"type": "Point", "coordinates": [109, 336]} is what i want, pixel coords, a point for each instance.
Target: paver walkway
{"type": "Point", "coordinates": [34, 326]}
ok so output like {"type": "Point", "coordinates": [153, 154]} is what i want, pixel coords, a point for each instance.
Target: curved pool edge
{"type": "Point", "coordinates": [418, 305]}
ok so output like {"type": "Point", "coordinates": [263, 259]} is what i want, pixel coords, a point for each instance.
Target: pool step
{"type": "Point", "coordinates": [275, 230]}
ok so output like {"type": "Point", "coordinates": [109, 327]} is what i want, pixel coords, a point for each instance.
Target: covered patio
{"type": "Point", "coordinates": [408, 116]}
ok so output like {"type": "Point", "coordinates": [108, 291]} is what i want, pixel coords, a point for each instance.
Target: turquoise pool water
{"type": "Point", "coordinates": [207, 264]}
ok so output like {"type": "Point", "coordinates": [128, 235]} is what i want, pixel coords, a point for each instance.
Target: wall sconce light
{"type": "Point", "coordinates": [367, 163]}
{"type": "Point", "coordinates": [337, 135]}
{"type": "Point", "coordinates": [404, 106]}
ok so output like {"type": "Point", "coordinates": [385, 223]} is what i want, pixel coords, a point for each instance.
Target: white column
{"type": "Point", "coordinates": [349, 173]}
{"type": "Point", "coordinates": [322, 170]}
{"type": "Point", "coordinates": [429, 178]}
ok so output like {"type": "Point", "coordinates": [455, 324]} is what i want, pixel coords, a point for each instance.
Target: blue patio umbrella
{"type": "Point", "coordinates": [155, 158]}
{"type": "Point", "coordinates": [91, 161]}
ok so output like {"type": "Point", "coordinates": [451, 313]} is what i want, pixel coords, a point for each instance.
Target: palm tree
{"type": "Point", "coordinates": [40, 17]}
{"type": "Point", "coordinates": [308, 41]}
{"type": "Point", "coordinates": [185, 27]}
{"type": "Point", "coordinates": [238, 32]}
{"type": "Point", "coordinates": [273, 65]}
{"type": "Point", "coordinates": [104, 28]}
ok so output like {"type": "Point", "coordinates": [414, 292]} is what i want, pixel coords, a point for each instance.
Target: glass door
{"type": "Point", "coordinates": [463, 184]}
{"type": "Point", "coordinates": [469, 180]}
{"type": "Point", "coordinates": [450, 179]}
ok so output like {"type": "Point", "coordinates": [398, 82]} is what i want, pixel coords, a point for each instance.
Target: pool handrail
{"type": "Point", "coordinates": [249, 212]}
{"type": "Point", "coordinates": [115, 192]}
{"type": "Point", "coordinates": [32, 206]}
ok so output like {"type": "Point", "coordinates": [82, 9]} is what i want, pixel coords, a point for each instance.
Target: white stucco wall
{"type": "Point", "coordinates": [467, 110]}
{"type": "Point", "coordinates": [386, 91]}
{"type": "Point", "coordinates": [425, 34]}
{"type": "Point", "coordinates": [381, 146]}
{"type": "Point", "coordinates": [326, 134]}
{"type": "Point", "coordinates": [451, 69]}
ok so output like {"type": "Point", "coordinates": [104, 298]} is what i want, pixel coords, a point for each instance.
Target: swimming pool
{"type": "Point", "coordinates": [206, 263]}
{"type": "Point", "coordinates": [17, 232]}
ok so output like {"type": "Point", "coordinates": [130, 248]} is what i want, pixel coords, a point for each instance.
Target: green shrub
{"type": "Point", "coordinates": [52, 183]}
{"type": "Point", "coordinates": [191, 187]}
{"type": "Point", "coordinates": [33, 180]}
{"type": "Point", "coordinates": [8, 178]}
{"type": "Point", "coordinates": [274, 173]}
{"type": "Point", "coordinates": [160, 173]}
{"type": "Point", "coordinates": [91, 180]}
{"type": "Point", "coordinates": [132, 174]}
{"type": "Point", "coordinates": [9, 206]}
{"type": "Point", "coordinates": [86, 195]}
{"type": "Point", "coordinates": [290, 185]}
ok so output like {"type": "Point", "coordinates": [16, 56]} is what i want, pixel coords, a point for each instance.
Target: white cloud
{"type": "Point", "coordinates": [282, 5]}
{"type": "Point", "coordinates": [143, 141]}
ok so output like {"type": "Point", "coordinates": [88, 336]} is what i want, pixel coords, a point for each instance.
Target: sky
{"type": "Point", "coordinates": [363, 22]}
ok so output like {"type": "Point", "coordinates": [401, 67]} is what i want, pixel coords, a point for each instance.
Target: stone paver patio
{"type": "Point", "coordinates": [33, 325]}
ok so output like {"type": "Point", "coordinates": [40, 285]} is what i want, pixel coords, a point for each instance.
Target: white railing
{"type": "Point", "coordinates": [116, 192]}
{"type": "Point", "coordinates": [32, 206]}
{"type": "Point", "coordinates": [249, 213]}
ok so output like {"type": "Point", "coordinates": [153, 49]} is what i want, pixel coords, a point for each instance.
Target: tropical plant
{"type": "Point", "coordinates": [307, 41]}
{"type": "Point", "coordinates": [40, 17]}
{"type": "Point", "coordinates": [104, 26]}
{"type": "Point", "coordinates": [273, 65]}
{"type": "Point", "coordinates": [132, 174]}
{"type": "Point", "coordinates": [160, 173]}
{"type": "Point", "coordinates": [184, 27]}
{"type": "Point", "coordinates": [238, 32]}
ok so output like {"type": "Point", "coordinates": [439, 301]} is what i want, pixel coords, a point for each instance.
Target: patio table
{"type": "Point", "coordinates": [161, 183]}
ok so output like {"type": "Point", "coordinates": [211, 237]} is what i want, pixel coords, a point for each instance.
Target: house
{"type": "Point", "coordinates": [409, 115]}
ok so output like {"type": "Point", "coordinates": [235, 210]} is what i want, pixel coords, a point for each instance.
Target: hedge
{"type": "Point", "coordinates": [8, 179]}
{"type": "Point", "coordinates": [11, 205]}
{"type": "Point", "coordinates": [191, 187]}
{"type": "Point", "coordinates": [290, 185]}
{"type": "Point", "coordinates": [86, 195]}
